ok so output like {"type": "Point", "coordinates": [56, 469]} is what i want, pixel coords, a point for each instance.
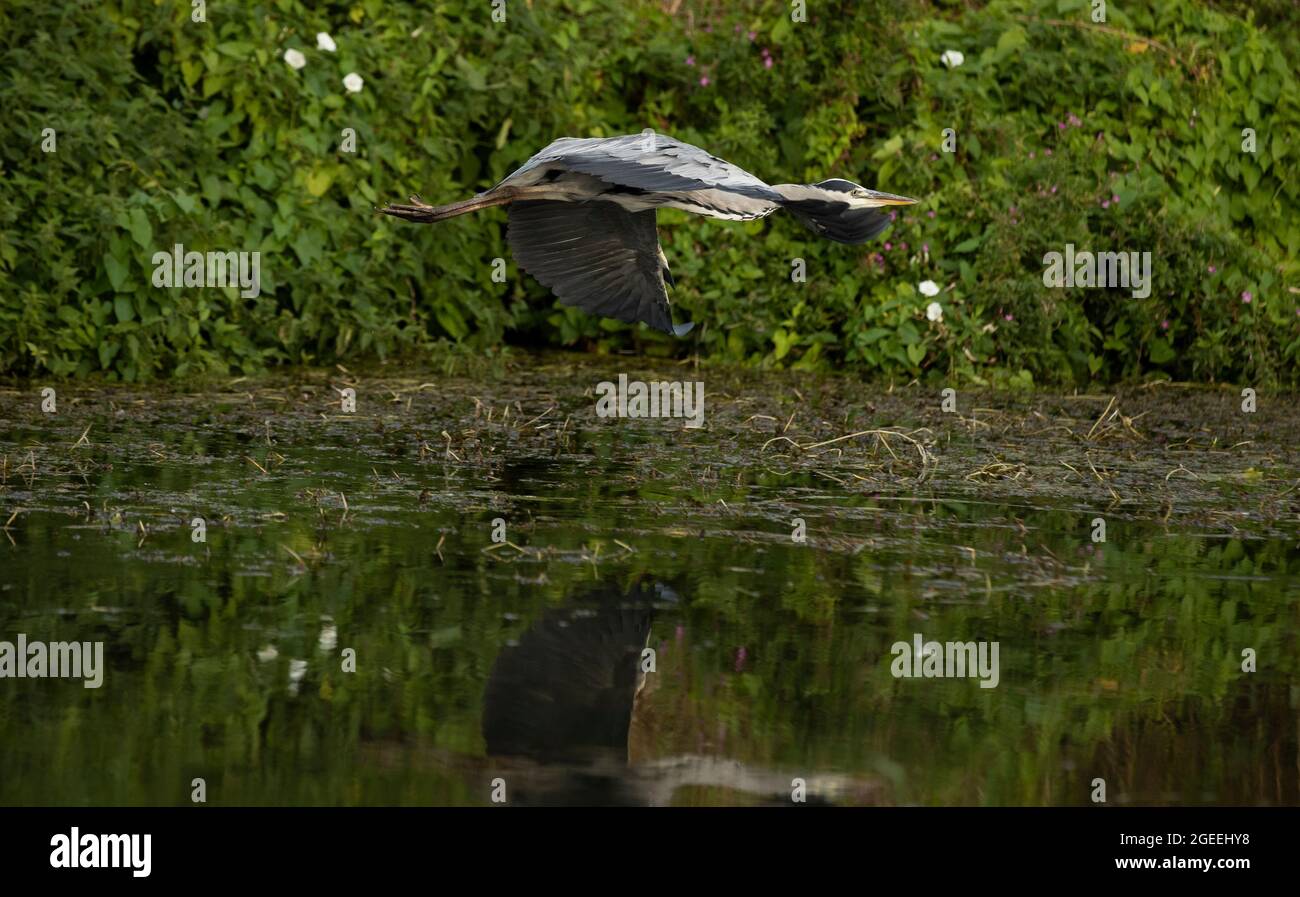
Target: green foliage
{"type": "Point", "coordinates": [174, 131]}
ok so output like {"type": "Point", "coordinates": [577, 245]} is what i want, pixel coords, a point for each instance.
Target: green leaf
{"type": "Point", "coordinates": [123, 308]}
{"type": "Point", "coordinates": [1161, 352]}
{"type": "Point", "coordinates": [117, 271]}
{"type": "Point", "coordinates": [141, 229]}
{"type": "Point", "coordinates": [319, 181]}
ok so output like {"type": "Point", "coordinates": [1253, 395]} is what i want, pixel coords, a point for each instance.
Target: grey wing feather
{"type": "Point", "coordinates": [657, 163]}
{"type": "Point", "coordinates": [595, 256]}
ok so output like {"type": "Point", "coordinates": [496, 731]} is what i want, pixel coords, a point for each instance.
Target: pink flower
{"type": "Point", "coordinates": [930, 213]}
{"type": "Point", "coordinates": [1008, 317]}
{"type": "Point", "coordinates": [1053, 188]}
{"type": "Point", "coordinates": [893, 216]}
{"type": "Point", "coordinates": [1115, 198]}
{"type": "Point", "coordinates": [1060, 125]}
{"type": "Point", "coordinates": [690, 60]}
{"type": "Point", "coordinates": [751, 35]}
{"type": "Point", "coordinates": [925, 247]}
{"type": "Point", "coordinates": [1246, 297]}
{"type": "Point", "coordinates": [1047, 152]}
{"type": "Point", "coordinates": [765, 52]}
{"type": "Point", "coordinates": [1213, 269]}
{"type": "Point", "coordinates": [741, 654]}
{"type": "Point", "coordinates": [888, 246]}
{"type": "Point", "coordinates": [1164, 325]}
{"type": "Point", "coordinates": [1031, 155]}
{"type": "Point", "coordinates": [903, 247]}
{"type": "Point", "coordinates": [704, 81]}
{"type": "Point", "coordinates": [1105, 203]}
{"type": "Point", "coordinates": [767, 62]}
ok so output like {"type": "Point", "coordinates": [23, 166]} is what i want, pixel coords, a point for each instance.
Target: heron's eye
{"type": "Point", "coordinates": [862, 193]}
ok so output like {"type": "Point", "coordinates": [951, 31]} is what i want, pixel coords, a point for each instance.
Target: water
{"type": "Point", "coordinates": [369, 535]}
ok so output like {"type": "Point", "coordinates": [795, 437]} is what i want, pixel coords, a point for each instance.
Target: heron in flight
{"type": "Point", "coordinates": [582, 216]}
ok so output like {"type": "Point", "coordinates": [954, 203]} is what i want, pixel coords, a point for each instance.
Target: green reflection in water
{"type": "Point", "coordinates": [372, 532]}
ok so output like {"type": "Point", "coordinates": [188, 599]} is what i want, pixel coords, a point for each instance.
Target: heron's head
{"type": "Point", "coordinates": [859, 197]}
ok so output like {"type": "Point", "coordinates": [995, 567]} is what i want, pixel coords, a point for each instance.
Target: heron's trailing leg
{"type": "Point", "coordinates": [423, 213]}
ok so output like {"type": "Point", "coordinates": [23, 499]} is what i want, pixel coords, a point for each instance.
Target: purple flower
{"type": "Point", "coordinates": [751, 35]}
{"type": "Point", "coordinates": [1246, 297]}
{"type": "Point", "coordinates": [1060, 125]}
{"type": "Point", "coordinates": [893, 216]}
{"type": "Point", "coordinates": [1213, 269]}
{"type": "Point", "coordinates": [930, 213]}
{"type": "Point", "coordinates": [1105, 203]}
{"type": "Point", "coordinates": [925, 247]}
{"type": "Point", "coordinates": [767, 62]}
{"type": "Point", "coordinates": [888, 246]}
{"type": "Point", "coordinates": [765, 52]}
{"type": "Point", "coordinates": [1053, 188]}
{"type": "Point", "coordinates": [690, 60]}
{"type": "Point", "coordinates": [903, 247]}
{"type": "Point", "coordinates": [1164, 325]}
{"type": "Point", "coordinates": [1115, 199]}
{"type": "Point", "coordinates": [704, 81]}
{"type": "Point", "coordinates": [741, 654]}
{"type": "Point", "coordinates": [1008, 317]}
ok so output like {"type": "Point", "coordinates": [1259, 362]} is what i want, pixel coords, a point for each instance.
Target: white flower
{"type": "Point", "coordinates": [352, 81]}
{"type": "Point", "coordinates": [325, 42]}
{"type": "Point", "coordinates": [952, 58]}
{"type": "Point", "coordinates": [928, 288]}
{"type": "Point", "coordinates": [934, 311]}
{"type": "Point", "coordinates": [295, 59]}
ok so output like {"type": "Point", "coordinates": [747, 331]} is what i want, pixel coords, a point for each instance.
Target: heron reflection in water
{"type": "Point", "coordinates": [567, 717]}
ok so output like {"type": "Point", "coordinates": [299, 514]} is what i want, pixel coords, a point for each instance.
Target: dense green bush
{"type": "Point", "coordinates": [174, 131]}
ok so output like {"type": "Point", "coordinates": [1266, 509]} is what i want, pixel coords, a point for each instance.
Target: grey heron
{"type": "Point", "coordinates": [582, 216]}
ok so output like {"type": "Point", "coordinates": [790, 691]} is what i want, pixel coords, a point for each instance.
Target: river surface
{"type": "Point", "coordinates": [474, 588]}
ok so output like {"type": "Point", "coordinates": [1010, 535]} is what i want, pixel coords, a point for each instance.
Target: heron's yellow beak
{"type": "Point", "coordinates": [889, 199]}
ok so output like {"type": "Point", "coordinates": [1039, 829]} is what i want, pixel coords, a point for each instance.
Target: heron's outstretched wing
{"type": "Point", "coordinates": [595, 256]}
{"type": "Point", "coordinates": [654, 162]}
